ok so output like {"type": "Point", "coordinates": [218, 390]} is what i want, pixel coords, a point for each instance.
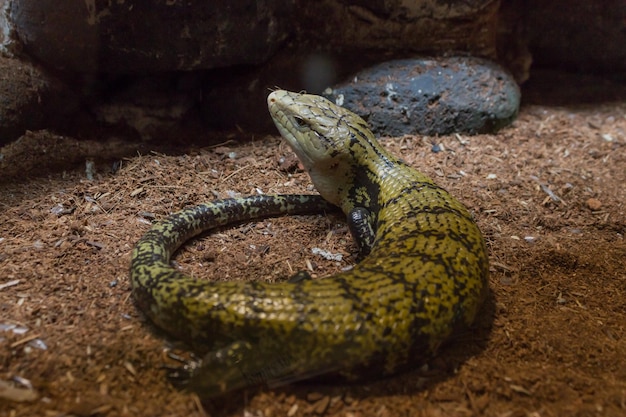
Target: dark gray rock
{"type": "Point", "coordinates": [169, 35]}
{"type": "Point", "coordinates": [576, 35]}
{"type": "Point", "coordinates": [431, 96]}
{"type": "Point", "coordinates": [31, 99]}
{"type": "Point", "coordinates": [159, 35]}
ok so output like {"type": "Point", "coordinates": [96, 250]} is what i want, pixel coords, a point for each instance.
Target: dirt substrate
{"type": "Point", "coordinates": [548, 193]}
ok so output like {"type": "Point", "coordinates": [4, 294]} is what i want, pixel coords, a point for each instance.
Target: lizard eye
{"type": "Point", "coordinates": [299, 121]}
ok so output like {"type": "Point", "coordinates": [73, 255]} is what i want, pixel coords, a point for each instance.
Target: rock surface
{"type": "Point", "coordinates": [169, 35]}
{"type": "Point", "coordinates": [431, 96]}
{"type": "Point", "coordinates": [30, 98]}
{"type": "Point", "coordinates": [232, 53]}
{"type": "Point", "coordinates": [160, 35]}
{"type": "Point", "coordinates": [578, 35]}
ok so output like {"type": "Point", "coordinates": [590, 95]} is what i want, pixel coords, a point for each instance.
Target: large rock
{"type": "Point", "coordinates": [580, 35]}
{"type": "Point", "coordinates": [103, 49]}
{"type": "Point", "coordinates": [149, 36]}
{"type": "Point", "coordinates": [431, 96]}
{"type": "Point", "coordinates": [168, 35]}
{"type": "Point", "coordinates": [31, 99]}
{"type": "Point", "coordinates": [390, 28]}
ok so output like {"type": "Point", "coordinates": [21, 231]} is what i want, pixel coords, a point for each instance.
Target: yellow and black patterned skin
{"type": "Point", "coordinates": [423, 271]}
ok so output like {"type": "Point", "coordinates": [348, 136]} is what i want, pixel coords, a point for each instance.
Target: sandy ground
{"type": "Point", "coordinates": [548, 194]}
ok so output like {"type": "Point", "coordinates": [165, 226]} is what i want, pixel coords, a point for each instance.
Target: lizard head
{"type": "Point", "coordinates": [322, 135]}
